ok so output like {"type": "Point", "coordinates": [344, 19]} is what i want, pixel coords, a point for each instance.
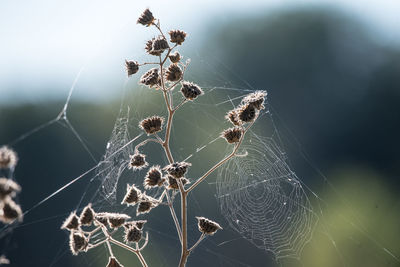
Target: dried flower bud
{"type": "Point", "coordinates": [112, 262]}
{"type": "Point", "coordinates": [132, 234]}
{"type": "Point", "coordinates": [146, 204]}
{"type": "Point", "coordinates": [190, 90]}
{"type": "Point", "coordinates": [77, 242]}
{"type": "Point", "coordinates": [175, 57]}
{"type": "Point", "coordinates": [117, 219]}
{"type": "Point", "coordinates": [256, 99]}
{"type": "Point", "coordinates": [173, 183]}
{"type": "Point", "coordinates": [153, 178]}
{"type": "Point", "coordinates": [146, 18]}
{"type": "Point", "coordinates": [8, 158]}
{"type": "Point", "coordinates": [156, 46]}
{"type": "Point", "coordinates": [247, 113]}
{"type": "Point", "coordinates": [137, 161]}
{"type": "Point", "coordinates": [10, 212]}
{"type": "Point", "coordinates": [87, 215]}
{"type": "Point", "coordinates": [233, 117]}
{"type": "Point", "coordinates": [232, 135]}
{"type": "Point", "coordinates": [8, 188]}
{"type": "Point", "coordinates": [139, 224]}
{"type": "Point", "coordinates": [101, 219]}
{"type": "Point", "coordinates": [174, 73]}
{"type": "Point", "coordinates": [177, 169]}
{"type": "Point", "coordinates": [177, 36]}
{"type": "Point", "coordinates": [150, 78]}
{"type": "Point", "coordinates": [132, 195]}
{"type": "Point", "coordinates": [131, 67]}
{"type": "Point", "coordinates": [207, 226]}
{"type": "Point", "coordinates": [152, 124]}
{"type": "Point", "coordinates": [71, 223]}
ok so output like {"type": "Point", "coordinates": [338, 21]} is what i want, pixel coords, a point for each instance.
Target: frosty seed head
{"type": "Point", "coordinates": [137, 161]}
{"type": "Point", "coordinates": [177, 169]}
{"type": "Point", "coordinates": [8, 188]}
{"type": "Point", "coordinates": [233, 117]}
{"type": "Point", "coordinates": [10, 212]}
{"type": "Point", "coordinates": [232, 135]}
{"type": "Point", "coordinates": [146, 203]}
{"type": "Point", "coordinates": [174, 73]}
{"type": "Point", "coordinates": [247, 113]}
{"type": "Point", "coordinates": [72, 222]}
{"type": "Point", "coordinates": [174, 57]}
{"type": "Point", "coordinates": [8, 158]}
{"type": "Point", "coordinates": [77, 242]}
{"type": "Point", "coordinates": [139, 224]}
{"type": "Point", "coordinates": [87, 215]}
{"type": "Point", "coordinates": [156, 46]}
{"type": "Point", "coordinates": [173, 183]}
{"type": "Point", "coordinates": [132, 234]}
{"type": "Point", "coordinates": [146, 18]}
{"type": "Point", "coordinates": [131, 67]}
{"type": "Point", "coordinates": [207, 226]}
{"type": "Point", "coordinates": [153, 177]}
{"type": "Point", "coordinates": [150, 78]}
{"type": "Point", "coordinates": [152, 124]}
{"type": "Point", "coordinates": [190, 90]}
{"type": "Point", "coordinates": [256, 99]}
{"type": "Point", "coordinates": [132, 195]}
{"type": "Point", "coordinates": [114, 220]}
{"type": "Point", "coordinates": [113, 262]}
{"type": "Point", "coordinates": [177, 36]}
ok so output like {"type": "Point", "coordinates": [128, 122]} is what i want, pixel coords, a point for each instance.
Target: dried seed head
{"type": "Point", "coordinates": [137, 161]}
{"type": "Point", "coordinates": [101, 219]}
{"type": "Point", "coordinates": [146, 204]}
{"type": "Point", "coordinates": [112, 262]}
{"type": "Point", "coordinates": [256, 99]}
{"type": "Point", "coordinates": [10, 212]}
{"type": "Point", "coordinates": [132, 234]}
{"type": "Point", "coordinates": [8, 158]}
{"type": "Point", "coordinates": [190, 90]}
{"type": "Point", "coordinates": [117, 219]}
{"type": "Point", "coordinates": [77, 242]}
{"type": "Point", "coordinates": [139, 224]}
{"type": "Point", "coordinates": [247, 113]}
{"type": "Point", "coordinates": [131, 67]}
{"type": "Point", "coordinates": [175, 57]}
{"type": "Point", "coordinates": [173, 183]}
{"type": "Point", "coordinates": [153, 178]}
{"type": "Point", "coordinates": [87, 215]}
{"type": "Point", "coordinates": [150, 78]}
{"type": "Point", "coordinates": [233, 117]}
{"type": "Point", "coordinates": [174, 73]}
{"type": "Point", "coordinates": [177, 169]}
{"type": "Point", "coordinates": [177, 36]}
{"type": "Point", "coordinates": [132, 195]}
{"type": "Point", "coordinates": [4, 260]}
{"type": "Point", "coordinates": [207, 226]}
{"type": "Point", "coordinates": [156, 46]}
{"type": "Point", "coordinates": [71, 223]}
{"type": "Point", "coordinates": [8, 188]}
{"type": "Point", "coordinates": [146, 18]}
{"type": "Point", "coordinates": [232, 135]}
{"type": "Point", "coordinates": [152, 124]}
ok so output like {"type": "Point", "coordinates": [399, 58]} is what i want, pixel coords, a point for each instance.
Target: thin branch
{"type": "Point", "coordinates": [180, 104]}
{"type": "Point", "coordinates": [174, 217]}
{"type": "Point", "coordinates": [145, 142]}
{"type": "Point", "coordinates": [197, 243]}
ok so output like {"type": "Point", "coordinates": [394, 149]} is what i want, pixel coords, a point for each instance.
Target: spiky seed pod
{"type": "Point", "coordinates": [156, 46]}
{"type": "Point", "coordinates": [152, 124]}
{"type": "Point", "coordinates": [233, 117]}
{"type": "Point", "coordinates": [150, 78]}
{"type": "Point", "coordinates": [131, 67]}
{"type": "Point", "coordinates": [132, 234]}
{"type": "Point", "coordinates": [132, 195]}
{"type": "Point", "coordinates": [72, 222]}
{"type": "Point", "coordinates": [177, 169]}
{"type": "Point", "coordinates": [153, 178]}
{"type": "Point", "coordinates": [77, 242]}
{"type": "Point", "coordinates": [101, 219]}
{"type": "Point", "coordinates": [173, 183]}
{"type": "Point", "coordinates": [8, 188]}
{"type": "Point", "coordinates": [137, 161]}
{"type": "Point", "coordinates": [113, 262]}
{"type": "Point", "coordinates": [207, 226]}
{"type": "Point", "coordinates": [117, 219]}
{"type": "Point", "coordinates": [256, 99]}
{"type": "Point", "coordinates": [10, 212]}
{"type": "Point", "coordinates": [174, 73]}
{"type": "Point", "coordinates": [247, 113]}
{"type": "Point", "coordinates": [146, 204]}
{"type": "Point", "coordinates": [146, 18]}
{"type": "Point", "coordinates": [190, 90]}
{"type": "Point", "coordinates": [177, 36]}
{"type": "Point", "coordinates": [232, 135]}
{"type": "Point", "coordinates": [175, 57]}
{"type": "Point", "coordinates": [139, 224]}
{"type": "Point", "coordinates": [8, 158]}
{"type": "Point", "coordinates": [87, 215]}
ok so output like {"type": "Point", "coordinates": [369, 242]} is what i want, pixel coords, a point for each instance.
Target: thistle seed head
{"type": "Point", "coordinates": [132, 234]}
{"type": "Point", "coordinates": [8, 188]}
{"type": "Point", "coordinates": [233, 117]}
{"type": "Point", "coordinates": [247, 113]}
{"type": "Point", "coordinates": [87, 215]}
{"type": "Point", "coordinates": [256, 99]}
{"type": "Point", "coordinates": [177, 169]}
{"type": "Point", "coordinates": [177, 36]}
{"type": "Point", "coordinates": [156, 46]}
{"type": "Point", "coordinates": [117, 219]}
{"type": "Point", "coordinates": [112, 262]}
{"type": "Point", "coordinates": [152, 124]}
{"type": "Point", "coordinates": [146, 18]}
{"type": "Point", "coordinates": [153, 178]}
{"type": "Point", "coordinates": [10, 212]}
{"type": "Point", "coordinates": [101, 219]}
{"type": "Point", "coordinates": [137, 161]}
{"type": "Point", "coordinates": [173, 183]}
{"type": "Point", "coordinates": [207, 226]}
{"type": "Point", "coordinates": [146, 203]}
{"type": "Point", "coordinates": [132, 195]}
{"type": "Point", "coordinates": [232, 135]}
{"type": "Point", "coordinates": [8, 158]}
{"type": "Point", "coordinates": [174, 73]}
{"type": "Point", "coordinates": [131, 67]}
{"type": "Point", "coordinates": [150, 78]}
{"type": "Point", "coordinates": [175, 57]}
{"type": "Point", "coordinates": [71, 223]}
{"type": "Point", "coordinates": [139, 224]}
{"type": "Point", "coordinates": [190, 90]}
{"type": "Point", "coordinates": [77, 242]}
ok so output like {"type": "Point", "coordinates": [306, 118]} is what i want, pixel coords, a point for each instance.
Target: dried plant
{"type": "Point", "coordinates": [171, 178]}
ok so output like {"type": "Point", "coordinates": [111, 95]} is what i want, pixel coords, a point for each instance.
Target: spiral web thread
{"type": "Point", "coordinates": [263, 200]}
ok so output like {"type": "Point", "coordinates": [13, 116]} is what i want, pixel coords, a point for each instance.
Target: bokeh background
{"type": "Point", "coordinates": [332, 71]}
